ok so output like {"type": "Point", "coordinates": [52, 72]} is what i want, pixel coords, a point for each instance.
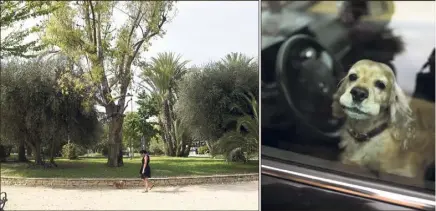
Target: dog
{"type": "Point", "coordinates": [380, 130]}
{"type": "Point", "coordinates": [120, 184]}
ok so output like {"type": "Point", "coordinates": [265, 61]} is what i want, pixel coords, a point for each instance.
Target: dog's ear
{"type": "Point", "coordinates": [401, 117]}
{"type": "Point", "coordinates": [399, 104]}
{"type": "Point", "coordinates": [337, 110]}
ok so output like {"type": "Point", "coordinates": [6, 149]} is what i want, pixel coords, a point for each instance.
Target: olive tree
{"type": "Point", "coordinates": [36, 110]}
{"type": "Point", "coordinates": [207, 98]}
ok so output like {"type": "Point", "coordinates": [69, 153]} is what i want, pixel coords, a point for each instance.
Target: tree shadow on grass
{"type": "Point", "coordinates": [199, 161]}
{"type": "Point", "coordinates": [160, 168]}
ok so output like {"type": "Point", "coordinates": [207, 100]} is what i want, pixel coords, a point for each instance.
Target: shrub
{"type": "Point", "coordinates": [70, 151]}
{"type": "Point", "coordinates": [236, 155]}
{"type": "Point", "coordinates": [81, 150]}
{"type": "Point", "coordinates": [8, 150]}
{"type": "Point", "coordinates": [156, 146]}
{"type": "Point", "coordinates": [203, 150]}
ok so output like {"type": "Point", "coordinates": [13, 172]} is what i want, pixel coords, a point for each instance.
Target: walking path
{"type": "Point", "coordinates": [239, 196]}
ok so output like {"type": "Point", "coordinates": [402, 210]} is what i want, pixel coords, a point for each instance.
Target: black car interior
{"type": "Point", "coordinates": [301, 70]}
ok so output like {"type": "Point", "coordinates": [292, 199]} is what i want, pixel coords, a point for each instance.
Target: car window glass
{"type": "Point", "coordinates": [351, 82]}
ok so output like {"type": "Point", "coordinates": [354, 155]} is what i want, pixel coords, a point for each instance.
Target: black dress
{"type": "Point", "coordinates": [147, 172]}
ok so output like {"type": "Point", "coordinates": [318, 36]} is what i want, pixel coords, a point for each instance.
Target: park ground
{"type": "Point", "coordinates": [239, 196]}
{"type": "Point", "coordinates": [161, 167]}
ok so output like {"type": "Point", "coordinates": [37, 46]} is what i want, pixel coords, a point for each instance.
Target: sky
{"type": "Point", "coordinates": [204, 31]}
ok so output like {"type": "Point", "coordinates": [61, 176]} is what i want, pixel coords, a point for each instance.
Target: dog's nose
{"type": "Point", "coordinates": [359, 94]}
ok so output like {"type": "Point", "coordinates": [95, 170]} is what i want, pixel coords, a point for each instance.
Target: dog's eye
{"type": "Point", "coordinates": [352, 77]}
{"type": "Point", "coordinates": [380, 85]}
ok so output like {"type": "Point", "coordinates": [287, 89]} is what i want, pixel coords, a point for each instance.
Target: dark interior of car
{"type": "Point", "coordinates": [302, 67]}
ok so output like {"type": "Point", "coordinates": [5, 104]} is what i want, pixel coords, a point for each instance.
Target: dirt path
{"type": "Point", "coordinates": [241, 196]}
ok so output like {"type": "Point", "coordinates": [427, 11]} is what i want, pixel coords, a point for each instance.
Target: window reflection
{"type": "Point", "coordinates": [389, 48]}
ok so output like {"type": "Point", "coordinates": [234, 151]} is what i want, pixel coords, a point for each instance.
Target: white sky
{"type": "Point", "coordinates": [204, 31]}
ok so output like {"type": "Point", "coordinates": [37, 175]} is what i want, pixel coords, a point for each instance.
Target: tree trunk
{"type": "Point", "coordinates": [115, 140]}
{"type": "Point", "coordinates": [120, 157]}
{"type": "Point", "coordinates": [28, 150]}
{"type": "Point", "coordinates": [169, 150]}
{"type": "Point", "coordinates": [178, 147]}
{"type": "Point", "coordinates": [181, 149]}
{"type": "Point", "coordinates": [185, 146]}
{"type": "Point", "coordinates": [166, 130]}
{"type": "Point", "coordinates": [210, 147]}
{"type": "Point", "coordinates": [22, 152]}
{"type": "Point", "coordinates": [164, 136]}
{"type": "Point", "coordinates": [52, 153]}
{"type": "Point", "coordinates": [37, 154]}
{"type": "Point", "coordinates": [187, 150]}
{"type": "Point", "coordinates": [2, 153]}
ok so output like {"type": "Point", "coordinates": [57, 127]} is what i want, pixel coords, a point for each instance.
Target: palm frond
{"type": "Point", "coordinates": [246, 134]}
{"type": "Point", "coordinates": [236, 59]}
{"type": "Point", "coordinates": [162, 73]}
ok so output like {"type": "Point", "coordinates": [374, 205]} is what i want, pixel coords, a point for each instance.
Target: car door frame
{"type": "Point", "coordinates": [345, 179]}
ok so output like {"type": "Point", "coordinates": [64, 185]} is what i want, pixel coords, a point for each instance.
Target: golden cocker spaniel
{"type": "Point", "coordinates": [380, 131]}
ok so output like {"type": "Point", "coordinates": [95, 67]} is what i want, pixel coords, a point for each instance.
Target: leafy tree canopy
{"type": "Point", "coordinates": [34, 108]}
{"type": "Point", "coordinates": [14, 13]}
{"type": "Point", "coordinates": [207, 99]}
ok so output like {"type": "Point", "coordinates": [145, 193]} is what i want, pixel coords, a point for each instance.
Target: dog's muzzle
{"type": "Point", "coordinates": [359, 94]}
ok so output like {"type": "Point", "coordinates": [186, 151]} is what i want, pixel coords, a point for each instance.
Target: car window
{"type": "Point", "coordinates": [352, 82]}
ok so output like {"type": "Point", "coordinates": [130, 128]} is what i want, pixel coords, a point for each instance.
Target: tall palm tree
{"type": "Point", "coordinates": [183, 141]}
{"type": "Point", "coordinates": [161, 76]}
{"type": "Point", "coordinates": [236, 59]}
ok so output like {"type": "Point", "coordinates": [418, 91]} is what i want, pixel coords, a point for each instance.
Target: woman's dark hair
{"type": "Point", "coordinates": [143, 151]}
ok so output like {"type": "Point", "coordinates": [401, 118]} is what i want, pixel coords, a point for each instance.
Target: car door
{"type": "Point", "coordinates": [292, 181]}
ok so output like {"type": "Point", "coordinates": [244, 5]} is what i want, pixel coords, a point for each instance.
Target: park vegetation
{"type": "Point", "coordinates": [51, 88]}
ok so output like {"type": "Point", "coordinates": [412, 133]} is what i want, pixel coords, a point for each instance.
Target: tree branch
{"type": "Point", "coordinates": [88, 23]}
{"type": "Point", "coordinates": [100, 101]}
{"type": "Point", "coordinates": [123, 73]}
{"type": "Point", "coordinates": [148, 36]}
{"type": "Point", "coordinates": [99, 43]}
{"type": "Point", "coordinates": [93, 24]}
{"type": "Point", "coordinates": [134, 25]}
{"type": "Point", "coordinates": [47, 53]}
{"type": "Point", "coordinates": [127, 105]}
{"type": "Point", "coordinates": [140, 27]}
{"type": "Point", "coordinates": [124, 12]}
{"type": "Point", "coordinates": [114, 82]}
{"type": "Point", "coordinates": [105, 85]}
{"type": "Point", "coordinates": [125, 95]}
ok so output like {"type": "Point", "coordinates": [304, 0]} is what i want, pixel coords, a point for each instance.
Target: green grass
{"type": "Point", "coordinates": [160, 167]}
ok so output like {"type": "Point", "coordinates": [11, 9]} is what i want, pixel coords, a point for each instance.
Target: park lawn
{"type": "Point", "coordinates": [160, 167]}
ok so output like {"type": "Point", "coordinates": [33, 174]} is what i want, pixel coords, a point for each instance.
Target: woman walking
{"type": "Point", "coordinates": [145, 171]}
